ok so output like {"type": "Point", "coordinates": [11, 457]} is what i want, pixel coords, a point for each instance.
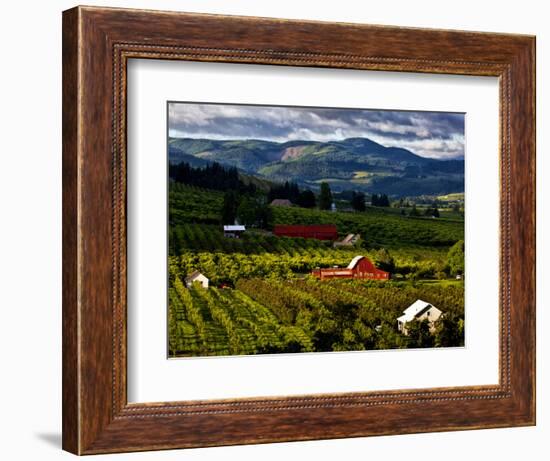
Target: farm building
{"type": "Point", "coordinates": [196, 277]}
{"type": "Point", "coordinates": [233, 230]}
{"type": "Point", "coordinates": [348, 241]}
{"type": "Point", "coordinates": [318, 231]}
{"type": "Point", "coordinates": [419, 310]}
{"type": "Point", "coordinates": [281, 202]}
{"type": "Point", "coordinates": [360, 267]}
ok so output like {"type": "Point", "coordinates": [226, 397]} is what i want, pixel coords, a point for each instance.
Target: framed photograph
{"type": "Point", "coordinates": [284, 230]}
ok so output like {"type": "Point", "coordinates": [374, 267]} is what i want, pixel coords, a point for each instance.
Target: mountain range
{"type": "Point", "coordinates": [349, 164]}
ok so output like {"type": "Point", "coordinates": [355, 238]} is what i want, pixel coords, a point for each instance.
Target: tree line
{"type": "Point", "coordinates": [292, 192]}
{"type": "Point", "coordinates": [244, 202]}
{"type": "Point", "coordinates": [212, 176]}
{"type": "Point", "coordinates": [304, 198]}
{"type": "Point", "coordinates": [358, 201]}
{"type": "Point", "coordinates": [379, 200]}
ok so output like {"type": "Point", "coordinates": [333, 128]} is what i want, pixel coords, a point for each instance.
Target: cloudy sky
{"type": "Point", "coordinates": [429, 134]}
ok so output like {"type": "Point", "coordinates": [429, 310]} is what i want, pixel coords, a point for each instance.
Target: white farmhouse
{"type": "Point", "coordinates": [419, 310]}
{"type": "Point", "coordinates": [198, 278]}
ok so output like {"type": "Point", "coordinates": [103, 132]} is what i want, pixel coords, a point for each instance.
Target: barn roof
{"type": "Point", "coordinates": [414, 310]}
{"type": "Point", "coordinates": [193, 275]}
{"type": "Point", "coordinates": [306, 227]}
{"type": "Point", "coordinates": [281, 202]}
{"type": "Point", "coordinates": [354, 262]}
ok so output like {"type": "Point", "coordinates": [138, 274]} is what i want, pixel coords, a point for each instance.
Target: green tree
{"type": "Point", "coordinates": [306, 199]}
{"type": "Point", "coordinates": [414, 211]}
{"type": "Point", "coordinates": [264, 216]}
{"type": "Point", "coordinates": [229, 207]}
{"type": "Point", "coordinates": [379, 200]}
{"type": "Point", "coordinates": [384, 200]}
{"type": "Point", "coordinates": [358, 201]}
{"type": "Point", "coordinates": [419, 334]}
{"type": "Point", "coordinates": [455, 258]}
{"type": "Point", "coordinates": [384, 260]}
{"type": "Point", "coordinates": [449, 331]}
{"type": "Point", "coordinates": [253, 211]}
{"type": "Point", "coordinates": [247, 211]}
{"type": "Point", "coordinates": [325, 197]}
{"type": "Point", "coordinates": [432, 212]}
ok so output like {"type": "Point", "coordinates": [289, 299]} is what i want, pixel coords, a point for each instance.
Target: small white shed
{"type": "Point", "coordinates": [233, 230]}
{"type": "Point", "coordinates": [419, 310]}
{"type": "Point", "coordinates": [198, 278]}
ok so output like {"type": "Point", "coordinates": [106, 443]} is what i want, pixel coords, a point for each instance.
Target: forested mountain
{"type": "Point", "coordinates": [353, 163]}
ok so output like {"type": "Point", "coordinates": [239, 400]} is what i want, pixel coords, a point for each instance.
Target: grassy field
{"type": "Point", "coordinates": [269, 303]}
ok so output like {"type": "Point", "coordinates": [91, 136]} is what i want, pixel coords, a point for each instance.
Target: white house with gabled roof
{"type": "Point", "coordinates": [196, 277]}
{"type": "Point", "coordinates": [419, 310]}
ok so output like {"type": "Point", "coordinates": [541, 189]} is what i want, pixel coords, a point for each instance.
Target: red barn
{"type": "Point", "coordinates": [360, 267]}
{"type": "Point", "coordinates": [318, 231]}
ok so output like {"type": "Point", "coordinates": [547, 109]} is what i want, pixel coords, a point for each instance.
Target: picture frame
{"type": "Point", "coordinates": [97, 44]}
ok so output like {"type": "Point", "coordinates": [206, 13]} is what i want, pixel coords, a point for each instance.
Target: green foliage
{"type": "Point", "coordinates": [287, 190]}
{"type": "Point", "coordinates": [211, 176]}
{"type": "Point", "coordinates": [209, 238]}
{"type": "Point", "coordinates": [379, 226]}
{"type": "Point", "coordinates": [306, 199]}
{"type": "Point", "coordinates": [414, 212]}
{"type": "Point", "coordinates": [276, 307]}
{"type": "Point", "coordinates": [380, 200]}
{"type": "Point", "coordinates": [226, 322]}
{"type": "Point", "coordinates": [358, 201]}
{"type": "Point", "coordinates": [325, 197]}
{"type": "Point", "coordinates": [432, 212]}
{"type": "Point", "coordinates": [384, 260]}
{"type": "Point", "coordinates": [258, 253]}
{"type": "Point", "coordinates": [189, 204]}
{"type": "Point", "coordinates": [455, 258]}
{"type": "Point", "coordinates": [253, 211]}
{"type": "Point", "coordinates": [230, 207]}
{"type": "Point", "coordinates": [419, 334]}
{"type": "Point", "coordinates": [449, 331]}
{"type": "Point", "coordinates": [262, 316]}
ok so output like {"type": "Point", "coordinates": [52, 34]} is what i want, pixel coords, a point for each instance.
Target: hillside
{"type": "Point", "coordinates": [261, 300]}
{"type": "Point", "coordinates": [354, 163]}
{"type": "Point", "coordinates": [193, 210]}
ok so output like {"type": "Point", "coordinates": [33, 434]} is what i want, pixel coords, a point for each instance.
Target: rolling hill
{"type": "Point", "coordinates": [353, 163]}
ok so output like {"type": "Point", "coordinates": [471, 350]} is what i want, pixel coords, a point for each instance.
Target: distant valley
{"type": "Point", "coordinates": [350, 164]}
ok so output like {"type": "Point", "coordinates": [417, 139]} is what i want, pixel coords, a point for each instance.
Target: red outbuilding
{"type": "Point", "coordinates": [318, 231]}
{"type": "Point", "coordinates": [360, 267]}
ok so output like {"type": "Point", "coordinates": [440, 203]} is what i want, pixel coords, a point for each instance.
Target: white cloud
{"type": "Point", "coordinates": [430, 134]}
